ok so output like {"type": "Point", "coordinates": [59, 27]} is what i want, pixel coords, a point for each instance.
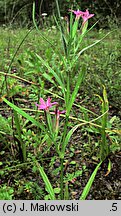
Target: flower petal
{"type": "Point", "coordinates": [48, 103]}
{"type": "Point", "coordinates": [54, 103]}
{"type": "Point", "coordinates": [64, 111]}
{"type": "Point", "coordinates": [42, 102]}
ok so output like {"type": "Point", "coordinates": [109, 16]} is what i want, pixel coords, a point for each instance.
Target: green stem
{"type": "Point", "coordinates": [48, 121]}
{"type": "Point", "coordinates": [65, 131]}
{"type": "Point", "coordinates": [103, 144]}
{"type": "Point", "coordinates": [61, 178]}
{"type": "Point", "coordinates": [104, 151]}
{"type": "Point", "coordinates": [61, 27]}
{"type": "Point", "coordinates": [62, 159]}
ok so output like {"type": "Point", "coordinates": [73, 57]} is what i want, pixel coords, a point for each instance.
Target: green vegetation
{"type": "Point", "coordinates": [57, 153]}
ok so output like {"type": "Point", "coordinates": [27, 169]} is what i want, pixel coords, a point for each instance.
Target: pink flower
{"type": "Point", "coordinates": [58, 112]}
{"type": "Point", "coordinates": [45, 105]}
{"type": "Point", "coordinates": [78, 13]}
{"type": "Point", "coordinates": [86, 15]}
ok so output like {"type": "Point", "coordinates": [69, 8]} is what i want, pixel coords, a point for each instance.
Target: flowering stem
{"type": "Point", "coordinates": [65, 130]}
{"type": "Point", "coordinates": [61, 178]}
{"type": "Point", "coordinates": [61, 27]}
{"type": "Point", "coordinates": [57, 120]}
{"type": "Point", "coordinates": [62, 157]}
{"type": "Point", "coordinates": [48, 121]}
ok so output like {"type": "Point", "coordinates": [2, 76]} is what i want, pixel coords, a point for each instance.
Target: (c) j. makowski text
{"type": "Point", "coordinates": [50, 207]}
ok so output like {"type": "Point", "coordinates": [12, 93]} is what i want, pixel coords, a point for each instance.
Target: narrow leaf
{"type": "Point", "coordinates": [74, 94]}
{"type": "Point", "coordinates": [18, 128]}
{"type": "Point", "coordinates": [109, 167]}
{"type": "Point", "coordinates": [24, 114]}
{"type": "Point", "coordinates": [48, 77]}
{"type": "Point", "coordinates": [53, 73]}
{"type": "Point", "coordinates": [46, 181]}
{"type": "Point", "coordinates": [86, 48]}
{"type": "Point", "coordinates": [74, 29]}
{"type": "Point", "coordinates": [96, 42]}
{"type": "Point", "coordinates": [61, 28]}
{"type": "Point", "coordinates": [34, 22]}
{"type": "Point", "coordinates": [89, 183]}
{"type": "Point", "coordinates": [68, 138]}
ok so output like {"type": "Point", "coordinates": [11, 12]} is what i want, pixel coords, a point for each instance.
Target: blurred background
{"type": "Point", "coordinates": [19, 13]}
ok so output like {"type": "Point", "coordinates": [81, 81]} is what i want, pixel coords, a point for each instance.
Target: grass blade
{"type": "Point", "coordinates": [89, 183]}
{"type": "Point", "coordinates": [86, 48]}
{"type": "Point", "coordinates": [34, 22]}
{"type": "Point", "coordinates": [53, 73]}
{"type": "Point", "coordinates": [24, 114]}
{"type": "Point", "coordinates": [109, 167]}
{"type": "Point", "coordinates": [104, 144]}
{"type": "Point", "coordinates": [74, 29]}
{"type": "Point", "coordinates": [18, 128]}
{"type": "Point", "coordinates": [68, 136]}
{"type": "Point", "coordinates": [61, 28]}
{"type": "Point", "coordinates": [74, 94]}
{"type": "Point", "coordinates": [46, 181]}
{"type": "Point", "coordinates": [96, 42]}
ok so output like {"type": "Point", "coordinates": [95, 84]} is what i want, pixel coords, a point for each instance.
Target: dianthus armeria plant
{"type": "Point", "coordinates": [58, 136]}
{"type": "Point", "coordinates": [71, 42]}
